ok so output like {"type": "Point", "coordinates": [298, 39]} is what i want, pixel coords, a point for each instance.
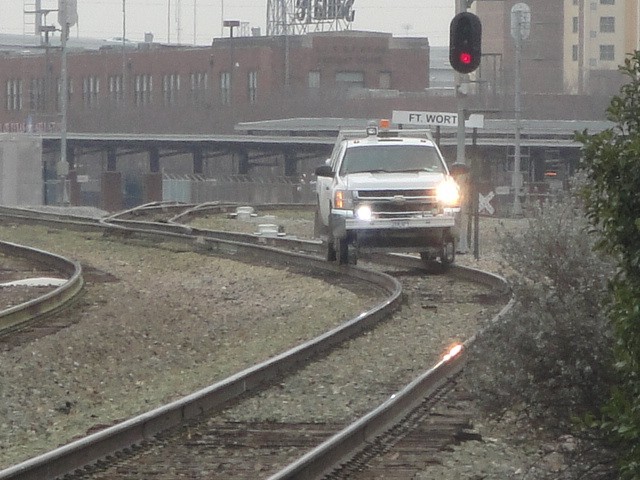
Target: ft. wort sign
{"type": "Point", "coordinates": [402, 117]}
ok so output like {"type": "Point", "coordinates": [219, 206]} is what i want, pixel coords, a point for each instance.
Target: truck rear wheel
{"type": "Point", "coordinates": [342, 251]}
{"type": "Point", "coordinates": [439, 261]}
{"type": "Point", "coordinates": [319, 229]}
{"type": "Point", "coordinates": [330, 252]}
{"type": "Point", "coordinates": [448, 252]}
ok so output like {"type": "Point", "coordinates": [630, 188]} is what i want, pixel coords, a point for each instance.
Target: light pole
{"type": "Point", "coordinates": [221, 18]}
{"type": "Point", "coordinates": [63, 167]}
{"type": "Point", "coordinates": [124, 36]}
{"type": "Point", "coordinates": [67, 17]}
{"type": "Point", "coordinates": [520, 28]}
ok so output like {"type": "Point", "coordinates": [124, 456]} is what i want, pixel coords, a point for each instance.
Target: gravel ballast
{"type": "Point", "coordinates": [155, 333]}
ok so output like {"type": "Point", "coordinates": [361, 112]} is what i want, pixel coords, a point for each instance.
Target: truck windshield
{"type": "Point", "coordinates": [391, 158]}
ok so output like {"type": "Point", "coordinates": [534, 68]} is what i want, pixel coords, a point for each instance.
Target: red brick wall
{"type": "Point", "coordinates": [370, 53]}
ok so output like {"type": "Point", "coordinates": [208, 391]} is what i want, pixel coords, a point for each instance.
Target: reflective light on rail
{"type": "Point", "coordinates": [453, 352]}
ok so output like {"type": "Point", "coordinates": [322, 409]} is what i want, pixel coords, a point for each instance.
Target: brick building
{"type": "Point", "coordinates": [157, 88]}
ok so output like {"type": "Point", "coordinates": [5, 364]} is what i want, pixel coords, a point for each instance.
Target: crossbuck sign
{"type": "Point", "coordinates": [484, 203]}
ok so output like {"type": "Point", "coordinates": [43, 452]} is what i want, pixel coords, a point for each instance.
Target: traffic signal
{"type": "Point", "coordinates": [465, 37]}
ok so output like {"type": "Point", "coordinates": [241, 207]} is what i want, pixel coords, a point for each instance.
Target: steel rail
{"type": "Point", "coordinates": [28, 216]}
{"type": "Point", "coordinates": [19, 315]}
{"type": "Point", "coordinates": [86, 451]}
{"type": "Point", "coordinates": [347, 443]}
{"type": "Point", "coordinates": [174, 224]}
{"type": "Point", "coordinates": [325, 457]}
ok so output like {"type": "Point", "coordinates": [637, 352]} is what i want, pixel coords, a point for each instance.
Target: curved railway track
{"type": "Point", "coordinates": [336, 450]}
{"type": "Point", "coordinates": [25, 313]}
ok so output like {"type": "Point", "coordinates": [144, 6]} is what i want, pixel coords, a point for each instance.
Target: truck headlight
{"type": "Point", "coordinates": [343, 199]}
{"type": "Point", "coordinates": [448, 193]}
{"type": "Point", "coordinates": [363, 212]}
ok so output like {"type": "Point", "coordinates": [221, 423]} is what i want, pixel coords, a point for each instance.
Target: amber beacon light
{"type": "Point", "coordinates": [465, 38]}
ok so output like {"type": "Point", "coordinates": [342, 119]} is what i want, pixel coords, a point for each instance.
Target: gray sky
{"type": "Point", "coordinates": [103, 18]}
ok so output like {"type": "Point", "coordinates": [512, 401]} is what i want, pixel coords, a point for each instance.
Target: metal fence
{"type": "Point", "coordinates": [238, 189]}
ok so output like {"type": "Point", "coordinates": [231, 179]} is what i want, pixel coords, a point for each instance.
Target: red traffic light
{"type": "Point", "coordinates": [465, 37]}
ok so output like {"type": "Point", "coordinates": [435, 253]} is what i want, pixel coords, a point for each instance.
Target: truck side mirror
{"type": "Point", "coordinates": [324, 171]}
{"type": "Point", "coordinates": [458, 169]}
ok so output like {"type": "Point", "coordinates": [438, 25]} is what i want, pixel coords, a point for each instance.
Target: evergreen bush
{"type": "Point", "coordinates": [612, 199]}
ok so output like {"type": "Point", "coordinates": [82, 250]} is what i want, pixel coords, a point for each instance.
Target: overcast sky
{"type": "Point", "coordinates": [103, 18]}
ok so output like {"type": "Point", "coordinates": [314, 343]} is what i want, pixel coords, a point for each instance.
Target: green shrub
{"type": "Point", "coordinates": [612, 199]}
{"type": "Point", "coordinates": [550, 356]}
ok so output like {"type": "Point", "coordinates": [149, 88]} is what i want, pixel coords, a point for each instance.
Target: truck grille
{"type": "Point", "coordinates": [390, 194]}
{"type": "Point", "coordinates": [400, 203]}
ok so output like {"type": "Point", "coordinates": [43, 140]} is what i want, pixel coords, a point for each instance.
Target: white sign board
{"type": "Point", "coordinates": [475, 120]}
{"type": "Point", "coordinates": [403, 117]}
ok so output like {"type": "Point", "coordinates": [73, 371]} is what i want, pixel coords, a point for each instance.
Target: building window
{"type": "Point", "coordinates": [14, 94]}
{"type": "Point", "coordinates": [608, 24]}
{"type": "Point", "coordinates": [199, 85]}
{"type": "Point", "coordinates": [350, 79]}
{"type": "Point", "coordinates": [36, 94]}
{"type": "Point", "coordinates": [116, 92]}
{"type": "Point", "coordinates": [607, 2]}
{"type": "Point", "coordinates": [576, 24]}
{"type": "Point", "coordinates": [90, 90]}
{"type": "Point", "coordinates": [575, 2]}
{"type": "Point", "coordinates": [607, 52]}
{"type": "Point", "coordinates": [574, 53]}
{"type": "Point", "coordinates": [253, 87]}
{"type": "Point", "coordinates": [314, 79]}
{"type": "Point", "coordinates": [170, 88]}
{"type": "Point", "coordinates": [385, 80]}
{"type": "Point", "coordinates": [143, 88]}
{"type": "Point", "coordinates": [225, 88]}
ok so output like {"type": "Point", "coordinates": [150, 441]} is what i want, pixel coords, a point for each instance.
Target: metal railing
{"type": "Point", "coordinates": [237, 189]}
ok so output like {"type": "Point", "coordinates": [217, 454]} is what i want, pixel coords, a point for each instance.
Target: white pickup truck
{"type": "Point", "coordinates": [387, 191]}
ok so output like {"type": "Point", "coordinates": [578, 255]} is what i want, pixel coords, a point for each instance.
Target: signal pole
{"type": "Point", "coordinates": [461, 79]}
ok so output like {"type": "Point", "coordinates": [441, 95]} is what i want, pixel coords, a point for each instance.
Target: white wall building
{"type": "Point", "coordinates": [21, 182]}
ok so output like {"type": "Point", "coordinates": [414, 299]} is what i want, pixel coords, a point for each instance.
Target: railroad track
{"type": "Point", "coordinates": [26, 313]}
{"type": "Point", "coordinates": [332, 452]}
